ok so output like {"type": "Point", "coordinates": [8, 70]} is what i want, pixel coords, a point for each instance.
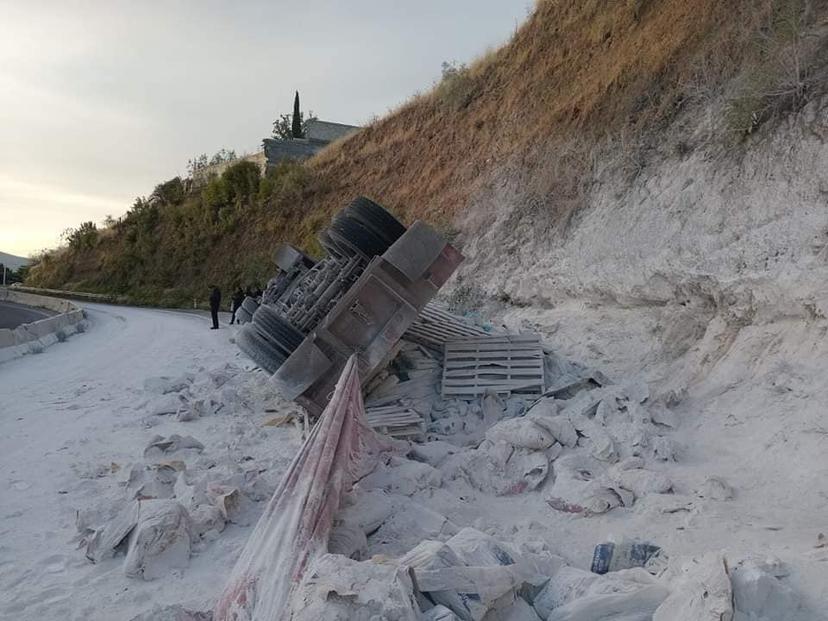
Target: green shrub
{"type": "Point", "coordinates": [216, 193]}
{"type": "Point", "coordinates": [788, 53]}
{"type": "Point", "coordinates": [242, 180]}
{"type": "Point", "coordinates": [82, 238]}
{"type": "Point", "coordinates": [456, 89]}
{"type": "Point", "coordinates": [170, 192]}
{"type": "Point", "coordinates": [284, 184]}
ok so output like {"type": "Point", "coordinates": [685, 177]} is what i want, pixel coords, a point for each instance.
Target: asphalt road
{"type": "Point", "coordinates": [12, 314]}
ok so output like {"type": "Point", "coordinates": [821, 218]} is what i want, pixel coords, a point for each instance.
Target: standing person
{"type": "Point", "coordinates": [236, 302]}
{"type": "Point", "coordinates": [215, 302]}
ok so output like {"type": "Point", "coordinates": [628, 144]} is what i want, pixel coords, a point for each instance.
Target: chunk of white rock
{"type": "Point", "coordinates": [168, 404]}
{"type": "Point", "coordinates": [164, 385]}
{"type": "Point", "coordinates": [433, 453]}
{"type": "Point", "coordinates": [348, 540]}
{"type": "Point", "coordinates": [547, 407]}
{"type": "Point", "coordinates": [642, 482]}
{"type": "Point", "coordinates": [715, 488]}
{"type": "Point", "coordinates": [637, 392]}
{"type": "Point", "coordinates": [759, 595]}
{"type": "Point", "coordinates": [663, 416]}
{"type": "Point", "coordinates": [665, 449]}
{"type": "Point", "coordinates": [367, 508]}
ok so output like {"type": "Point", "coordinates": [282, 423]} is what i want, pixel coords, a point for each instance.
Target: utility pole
{"type": "Point", "coordinates": [4, 273]}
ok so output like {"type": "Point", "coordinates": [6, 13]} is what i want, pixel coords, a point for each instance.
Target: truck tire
{"type": "Point", "coordinates": [331, 246]}
{"type": "Point", "coordinates": [242, 316]}
{"type": "Point", "coordinates": [259, 350]}
{"type": "Point", "coordinates": [250, 305]}
{"type": "Point", "coordinates": [359, 236]}
{"type": "Point", "coordinates": [375, 218]}
{"type": "Point", "coordinates": [277, 330]}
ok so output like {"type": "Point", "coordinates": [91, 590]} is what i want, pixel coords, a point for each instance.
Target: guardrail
{"type": "Point", "coordinates": [103, 298]}
{"type": "Point", "coordinates": [36, 336]}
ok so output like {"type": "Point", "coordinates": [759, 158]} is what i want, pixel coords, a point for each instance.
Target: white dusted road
{"type": "Point", "coordinates": [71, 420]}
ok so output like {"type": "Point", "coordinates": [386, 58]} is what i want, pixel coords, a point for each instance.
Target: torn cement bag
{"type": "Point", "coordinates": [470, 573]}
{"type": "Point", "coordinates": [336, 588]}
{"type": "Point", "coordinates": [521, 433]}
{"type": "Point", "coordinates": [625, 606]}
{"type": "Point", "coordinates": [626, 595]}
{"type": "Point", "coordinates": [502, 469]}
{"type": "Point", "coordinates": [294, 528]}
{"type": "Point", "coordinates": [107, 539]}
{"type": "Point", "coordinates": [701, 590]}
{"type": "Point", "coordinates": [160, 540]}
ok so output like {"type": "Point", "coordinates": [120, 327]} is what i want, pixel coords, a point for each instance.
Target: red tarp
{"type": "Point", "coordinates": [295, 525]}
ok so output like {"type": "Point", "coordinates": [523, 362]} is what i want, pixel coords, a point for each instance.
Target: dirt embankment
{"type": "Point", "coordinates": [579, 92]}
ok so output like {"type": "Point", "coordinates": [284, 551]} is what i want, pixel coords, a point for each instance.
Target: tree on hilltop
{"type": "Point", "coordinates": [285, 127]}
{"type": "Point", "coordinates": [296, 127]}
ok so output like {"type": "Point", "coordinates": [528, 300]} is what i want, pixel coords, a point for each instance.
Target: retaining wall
{"type": "Point", "coordinates": [36, 336]}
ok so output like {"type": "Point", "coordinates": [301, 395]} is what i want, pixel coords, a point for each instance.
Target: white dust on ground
{"type": "Point", "coordinates": [78, 411]}
{"type": "Point", "coordinates": [70, 413]}
{"type": "Point", "coordinates": [706, 276]}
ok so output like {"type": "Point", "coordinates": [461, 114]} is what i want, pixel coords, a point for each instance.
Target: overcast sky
{"type": "Point", "coordinates": [99, 101]}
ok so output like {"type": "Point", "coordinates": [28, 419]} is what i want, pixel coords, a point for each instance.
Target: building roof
{"type": "Point", "coordinates": [325, 131]}
{"type": "Point", "coordinates": [277, 150]}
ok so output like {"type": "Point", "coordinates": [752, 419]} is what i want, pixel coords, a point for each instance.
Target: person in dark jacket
{"type": "Point", "coordinates": [236, 302]}
{"type": "Point", "coordinates": [215, 302]}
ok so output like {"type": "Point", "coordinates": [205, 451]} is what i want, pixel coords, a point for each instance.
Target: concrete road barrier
{"type": "Point", "coordinates": [36, 336]}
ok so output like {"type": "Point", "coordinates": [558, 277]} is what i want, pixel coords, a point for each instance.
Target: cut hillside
{"type": "Point", "coordinates": [579, 89]}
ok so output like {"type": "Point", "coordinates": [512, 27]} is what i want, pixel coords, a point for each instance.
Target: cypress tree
{"type": "Point", "coordinates": [296, 129]}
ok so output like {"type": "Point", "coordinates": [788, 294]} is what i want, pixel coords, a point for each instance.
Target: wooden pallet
{"type": "Point", "coordinates": [435, 326]}
{"type": "Point", "coordinates": [505, 364]}
{"type": "Point", "coordinates": [396, 421]}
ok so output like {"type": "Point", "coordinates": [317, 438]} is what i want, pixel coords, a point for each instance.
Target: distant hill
{"type": "Point", "coordinates": [13, 262]}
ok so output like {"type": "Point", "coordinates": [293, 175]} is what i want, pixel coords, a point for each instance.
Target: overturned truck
{"type": "Point", "coordinates": [376, 278]}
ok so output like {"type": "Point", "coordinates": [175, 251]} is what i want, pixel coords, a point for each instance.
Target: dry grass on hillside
{"type": "Point", "coordinates": [582, 69]}
{"type": "Point", "coordinates": [576, 81]}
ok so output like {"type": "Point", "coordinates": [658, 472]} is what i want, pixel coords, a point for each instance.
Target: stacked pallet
{"type": "Point", "coordinates": [505, 364]}
{"type": "Point", "coordinates": [416, 378]}
{"type": "Point", "coordinates": [436, 325]}
{"type": "Point", "coordinates": [397, 421]}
